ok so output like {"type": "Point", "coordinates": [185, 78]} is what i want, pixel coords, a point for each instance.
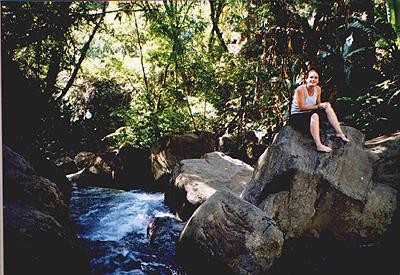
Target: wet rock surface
{"type": "Point", "coordinates": [163, 234]}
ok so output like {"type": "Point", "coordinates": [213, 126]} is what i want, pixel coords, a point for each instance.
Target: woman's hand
{"type": "Point", "coordinates": [324, 105]}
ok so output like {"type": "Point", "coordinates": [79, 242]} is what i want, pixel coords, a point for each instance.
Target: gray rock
{"type": "Point", "coordinates": [195, 180]}
{"type": "Point", "coordinates": [227, 235]}
{"type": "Point", "coordinates": [308, 192]}
{"type": "Point", "coordinates": [67, 164]}
{"type": "Point", "coordinates": [84, 159]}
{"type": "Point", "coordinates": [40, 193]}
{"type": "Point", "coordinates": [14, 165]}
{"type": "Point", "coordinates": [21, 184]}
{"type": "Point", "coordinates": [39, 235]}
{"type": "Point", "coordinates": [385, 156]}
{"type": "Point", "coordinates": [163, 233]}
{"type": "Point", "coordinates": [171, 149]}
{"type": "Point", "coordinates": [94, 171]}
{"type": "Point", "coordinates": [133, 168]}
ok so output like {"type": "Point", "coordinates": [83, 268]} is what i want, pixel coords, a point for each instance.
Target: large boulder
{"type": "Point", "coordinates": [133, 168]}
{"type": "Point", "coordinates": [385, 156]}
{"type": "Point", "coordinates": [227, 235]}
{"type": "Point", "coordinates": [171, 149]}
{"type": "Point", "coordinates": [244, 146]}
{"type": "Point", "coordinates": [309, 193]}
{"type": "Point", "coordinates": [22, 184]}
{"type": "Point", "coordinates": [36, 222]}
{"type": "Point", "coordinates": [84, 159]}
{"type": "Point", "coordinates": [35, 162]}
{"type": "Point", "coordinates": [95, 170]}
{"type": "Point", "coordinates": [163, 234]}
{"type": "Point", "coordinates": [14, 165]}
{"type": "Point", "coordinates": [67, 164]}
{"type": "Point", "coordinates": [124, 168]}
{"type": "Point", "coordinates": [195, 180]}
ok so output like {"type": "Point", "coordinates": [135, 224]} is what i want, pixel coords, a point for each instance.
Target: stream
{"type": "Point", "coordinates": [112, 225]}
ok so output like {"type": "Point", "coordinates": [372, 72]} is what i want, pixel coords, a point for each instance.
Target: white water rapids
{"type": "Point", "coordinates": [112, 225]}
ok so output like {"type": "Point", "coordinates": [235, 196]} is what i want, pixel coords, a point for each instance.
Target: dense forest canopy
{"type": "Point", "coordinates": [101, 73]}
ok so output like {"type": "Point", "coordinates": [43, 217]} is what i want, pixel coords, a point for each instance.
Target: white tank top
{"type": "Point", "coordinates": [309, 100]}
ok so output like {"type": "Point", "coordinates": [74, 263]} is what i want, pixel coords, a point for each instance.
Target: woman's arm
{"type": "Point", "coordinates": [321, 105]}
{"type": "Point", "coordinates": [300, 100]}
{"type": "Point", "coordinates": [319, 95]}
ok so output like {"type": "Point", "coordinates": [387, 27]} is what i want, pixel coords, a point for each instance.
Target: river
{"type": "Point", "coordinates": [112, 225]}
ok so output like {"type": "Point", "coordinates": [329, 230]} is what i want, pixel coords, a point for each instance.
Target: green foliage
{"type": "Point", "coordinates": [31, 30]}
{"type": "Point", "coordinates": [37, 38]}
{"type": "Point", "coordinates": [93, 107]}
{"type": "Point", "coordinates": [172, 119]}
{"type": "Point", "coordinates": [374, 111]}
{"type": "Point", "coordinates": [353, 48]}
{"type": "Point", "coordinates": [393, 14]}
{"type": "Point", "coordinates": [155, 68]}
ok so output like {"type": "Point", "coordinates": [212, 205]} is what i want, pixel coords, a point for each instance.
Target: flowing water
{"type": "Point", "coordinates": [112, 224]}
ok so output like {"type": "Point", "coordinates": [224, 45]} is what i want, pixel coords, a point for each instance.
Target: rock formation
{"type": "Point", "coordinates": [385, 158]}
{"type": "Point", "coordinates": [94, 171]}
{"type": "Point", "coordinates": [227, 235]}
{"type": "Point", "coordinates": [171, 149]}
{"type": "Point", "coordinates": [331, 212]}
{"type": "Point", "coordinates": [39, 235]}
{"type": "Point", "coordinates": [195, 180]}
{"type": "Point", "coordinates": [132, 168]}
{"type": "Point", "coordinates": [308, 193]}
{"type": "Point", "coordinates": [163, 234]}
{"type": "Point", "coordinates": [66, 164]}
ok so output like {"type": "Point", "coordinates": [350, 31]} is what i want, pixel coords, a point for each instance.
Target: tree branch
{"type": "Point", "coordinates": [149, 101]}
{"type": "Point", "coordinates": [215, 15]}
{"type": "Point", "coordinates": [82, 57]}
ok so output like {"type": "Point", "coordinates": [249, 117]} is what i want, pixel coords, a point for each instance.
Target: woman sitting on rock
{"type": "Point", "coordinates": [307, 111]}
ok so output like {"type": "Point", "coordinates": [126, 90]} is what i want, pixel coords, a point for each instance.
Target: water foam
{"type": "Point", "coordinates": [122, 213]}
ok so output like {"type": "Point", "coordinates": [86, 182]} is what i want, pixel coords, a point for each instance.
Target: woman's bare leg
{"type": "Point", "coordinates": [314, 129]}
{"type": "Point", "coordinates": [333, 120]}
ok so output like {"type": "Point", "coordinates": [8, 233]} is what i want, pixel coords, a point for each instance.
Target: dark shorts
{"type": "Point", "coordinates": [301, 121]}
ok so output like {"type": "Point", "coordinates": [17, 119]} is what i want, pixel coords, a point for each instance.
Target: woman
{"type": "Point", "coordinates": [307, 111]}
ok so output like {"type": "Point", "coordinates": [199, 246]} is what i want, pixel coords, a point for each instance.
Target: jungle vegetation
{"type": "Point", "coordinates": [85, 75]}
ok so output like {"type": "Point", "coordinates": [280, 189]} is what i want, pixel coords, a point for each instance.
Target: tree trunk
{"type": "Point", "coordinates": [83, 55]}
{"type": "Point", "coordinates": [151, 104]}
{"type": "Point", "coordinates": [54, 69]}
{"type": "Point", "coordinates": [216, 10]}
{"type": "Point", "coordinates": [56, 54]}
{"type": "Point", "coordinates": [186, 94]}
{"type": "Point", "coordinates": [146, 85]}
